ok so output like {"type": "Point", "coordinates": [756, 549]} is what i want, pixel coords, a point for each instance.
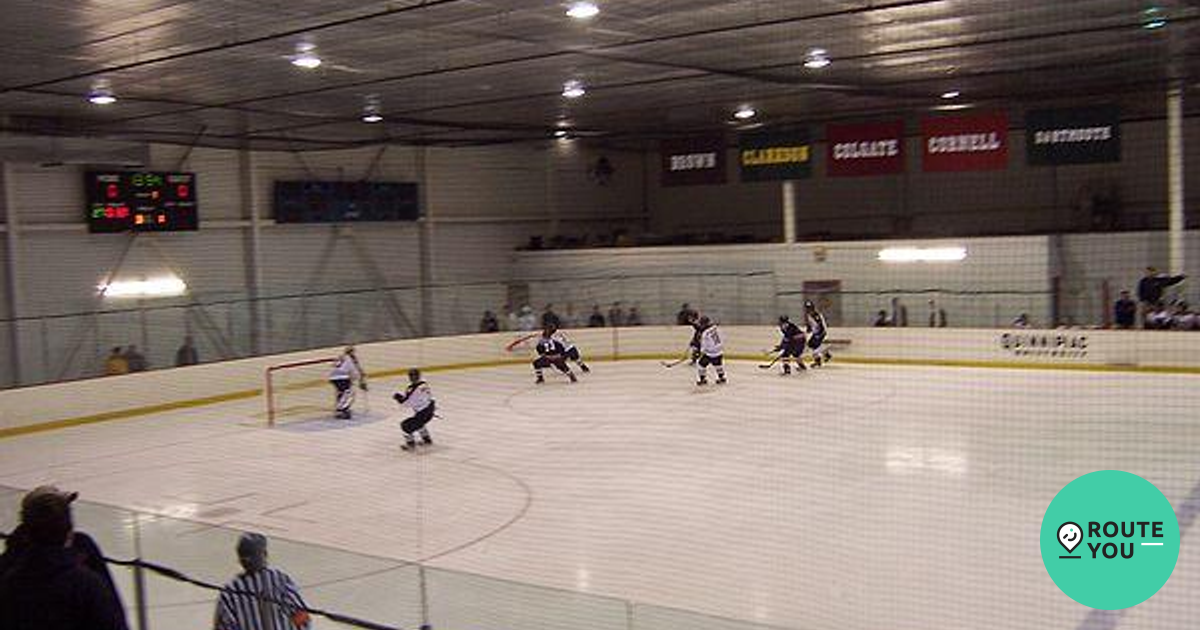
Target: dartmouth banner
{"type": "Point", "coordinates": [965, 143]}
{"type": "Point", "coordinates": [775, 155]}
{"type": "Point", "coordinates": [1083, 135]}
{"type": "Point", "coordinates": [693, 161]}
{"type": "Point", "coordinates": [870, 149]}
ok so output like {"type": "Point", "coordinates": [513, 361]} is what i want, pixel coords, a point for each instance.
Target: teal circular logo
{"type": "Point", "coordinates": [1110, 540]}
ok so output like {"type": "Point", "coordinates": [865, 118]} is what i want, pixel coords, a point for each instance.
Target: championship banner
{"type": "Point", "coordinates": [965, 143]}
{"type": "Point", "coordinates": [1082, 135]}
{"type": "Point", "coordinates": [693, 161]}
{"type": "Point", "coordinates": [774, 156]}
{"type": "Point", "coordinates": [870, 149]}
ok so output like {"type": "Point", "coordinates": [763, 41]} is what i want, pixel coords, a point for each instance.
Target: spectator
{"type": "Point", "coordinates": [616, 315]}
{"type": "Point", "coordinates": [1157, 318]}
{"type": "Point", "coordinates": [550, 319]}
{"type": "Point", "coordinates": [1022, 321]}
{"type": "Point", "coordinates": [135, 360]}
{"type": "Point", "coordinates": [881, 319]}
{"type": "Point", "coordinates": [569, 319]}
{"type": "Point", "coordinates": [899, 313]}
{"type": "Point", "coordinates": [186, 354]}
{"type": "Point", "coordinates": [47, 578]}
{"type": "Point", "coordinates": [1152, 285]}
{"type": "Point", "coordinates": [489, 323]}
{"type": "Point", "coordinates": [261, 597]}
{"type": "Point", "coordinates": [634, 318]}
{"type": "Point", "coordinates": [527, 321]}
{"type": "Point", "coordinates": [686, 315]}
{"type": "Point", "coordinates": [596, 320]}
{"type": "Point", "coordinates": [1125, 311]}
{"type": "Point", "coordinates": [513, 317]}
{"type": "Point", "coordinates": [1185, 318]}
{"type": "Point", "coordinates": [937, 315]}
{"type": "Point", "coordinates": [116, 364]}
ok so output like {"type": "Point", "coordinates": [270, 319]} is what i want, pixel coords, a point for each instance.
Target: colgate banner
{"type": "Point", "coordinates": [693, 161]}
{"type": "Point", "coordinates": [965, 143]}
{"type": "Point", "coordinates": [870, 149]}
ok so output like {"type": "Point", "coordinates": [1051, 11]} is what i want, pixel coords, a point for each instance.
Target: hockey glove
{"type": "Point", "coordinates": [398, 397]}
{"type": "Point", "coordinates": [362, 385]}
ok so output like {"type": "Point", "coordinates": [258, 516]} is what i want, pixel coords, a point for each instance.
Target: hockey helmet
{"type": "Point", "coordinates": [414, 375]}
{"type": "Point", "coordinates": [808, 305]}
{"type": "Point", "coordinates": [783, 319]}
{"type": "Point", "coordinates": [704, 321]}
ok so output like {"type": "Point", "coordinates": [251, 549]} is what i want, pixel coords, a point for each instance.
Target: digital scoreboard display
{"type": "Point", "coordinates": [140, 201]}
{"type": "Point", "coordinates": [345, 202]}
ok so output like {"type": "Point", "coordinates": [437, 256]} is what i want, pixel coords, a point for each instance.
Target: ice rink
{"type": "Point", "coordinates": [854, 497]}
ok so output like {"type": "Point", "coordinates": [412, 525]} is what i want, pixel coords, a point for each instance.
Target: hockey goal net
{"type": "Point", "coordinates": [299, 391]}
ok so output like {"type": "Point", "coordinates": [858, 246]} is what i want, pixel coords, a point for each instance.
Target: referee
{"type": "Point", "coordinates": [261, 598]}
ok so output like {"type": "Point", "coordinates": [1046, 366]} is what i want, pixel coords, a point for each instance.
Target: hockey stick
{"type": "Point", "coordinates": [772, 363]}
{"type": "Point", "coordinates": [518, 341]}
{"type": "Point", "coordinates": [671, 364]}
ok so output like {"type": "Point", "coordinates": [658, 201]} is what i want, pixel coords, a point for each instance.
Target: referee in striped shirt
{"type": "Point", "coordinates": [261, 598]}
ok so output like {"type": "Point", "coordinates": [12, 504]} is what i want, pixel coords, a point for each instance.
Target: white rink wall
{"type": "Point", "coordinates": [77, 402]}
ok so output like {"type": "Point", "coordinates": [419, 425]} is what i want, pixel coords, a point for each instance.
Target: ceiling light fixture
{"type": "Point", "coordinates": [950, 95]}
{"type": "Point", "coordinates": [562, 134]}
{"type": "Point", "coordinates": [165, 286]}
{"type": "Point", "coordinates": [745, 112]}
{"type": "Point", "coordinates": [1153, 18]}
{"type": "Point", "coordinates": [372, 112]}
{"type": "Point", "coordinates": [306, 56]}
{"type": "Point", "coordinates": [573, 89]}
{"type": "Point", "coordinates": [583, 10]}
{"type": "Point", "coordinates": [101, 93]}
{"type": "Point", "coordinates": [816, 59]}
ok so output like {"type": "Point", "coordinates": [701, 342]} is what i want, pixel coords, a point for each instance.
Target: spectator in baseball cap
{"type": "Point", "coordinates": [45, 583]}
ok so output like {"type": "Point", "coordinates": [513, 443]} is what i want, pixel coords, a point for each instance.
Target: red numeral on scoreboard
{"type": "Point", "coordinates": [181, 191]}
{"type": "Point", "coordinates": [111, 191]}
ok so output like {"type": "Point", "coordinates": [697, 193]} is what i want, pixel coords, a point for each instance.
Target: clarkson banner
{"type": "Point", "coordinates": [868, 149]}
{"type": "Point", "coordinates": [965, 143]}
{"type": "Point", "coordinates": [775, 155]}
{"type": "Point", "coordinates": [1082, 135]}
{"type": "Point", "coordinates": [693, 161]}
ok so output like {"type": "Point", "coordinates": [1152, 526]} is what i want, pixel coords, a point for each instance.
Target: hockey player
{"type": "Point", "coordinates": [551, 353]}
{"type": "Point", "coordinates": [418, 398]}
{"type": "Point", "coordinates": [694, 345]}
{"type": "Point", "coordinates": [712, 351]}
{"type": "Point", "coordinates": [791, 346]}
{"type": "Point", "coordinates": [817, 330]}
{"type": "Point", "coordinates": [346, 370]}
{"type": "Point", "coordinates": [572, 353]}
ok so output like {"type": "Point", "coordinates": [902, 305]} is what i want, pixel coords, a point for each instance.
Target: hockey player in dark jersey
{"type": "Point", "coordinates": [551, 353]}
{"type": "Point", "coordinates": [694, 346]}
{"type": "Point", "coordinates": [419, 398]}
{"type": "Point", "coordinates": [791, 346]}
{"type": "Point", "coordinates": [817, 330]}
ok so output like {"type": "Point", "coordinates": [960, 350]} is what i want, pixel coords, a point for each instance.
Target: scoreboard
{"type": "Point", "coordinates": [140, 201]}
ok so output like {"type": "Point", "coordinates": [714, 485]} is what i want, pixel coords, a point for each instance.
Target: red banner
{"type": "Point", "coordinates": [870, 149]}
{"type": "Point", "coordinates": [965, 143]}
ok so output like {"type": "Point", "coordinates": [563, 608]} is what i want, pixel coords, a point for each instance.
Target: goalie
{"type": "Point", "coordinates": [346, 371]}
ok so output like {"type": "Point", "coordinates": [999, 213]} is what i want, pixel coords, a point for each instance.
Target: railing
{"type": "Point", "coordinates": [167, 570]}
{"type": "Point", "coordinates": [75, 345]}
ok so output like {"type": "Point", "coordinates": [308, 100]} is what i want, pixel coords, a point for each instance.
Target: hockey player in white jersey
{"type": "Point", "coordinates": [346, 371]}
{"type": "Point", "coordinates": [419, 398]}
{"type": "Point", "coordinates": [572, 352]}
{"type": "Point", "coordinates": [817, 331]}
{"type": "Point", "coordinates": [712, 352]}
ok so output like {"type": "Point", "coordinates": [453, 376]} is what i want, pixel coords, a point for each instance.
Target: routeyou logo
{"type": "Point", "coordinates": [1110, 540]}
